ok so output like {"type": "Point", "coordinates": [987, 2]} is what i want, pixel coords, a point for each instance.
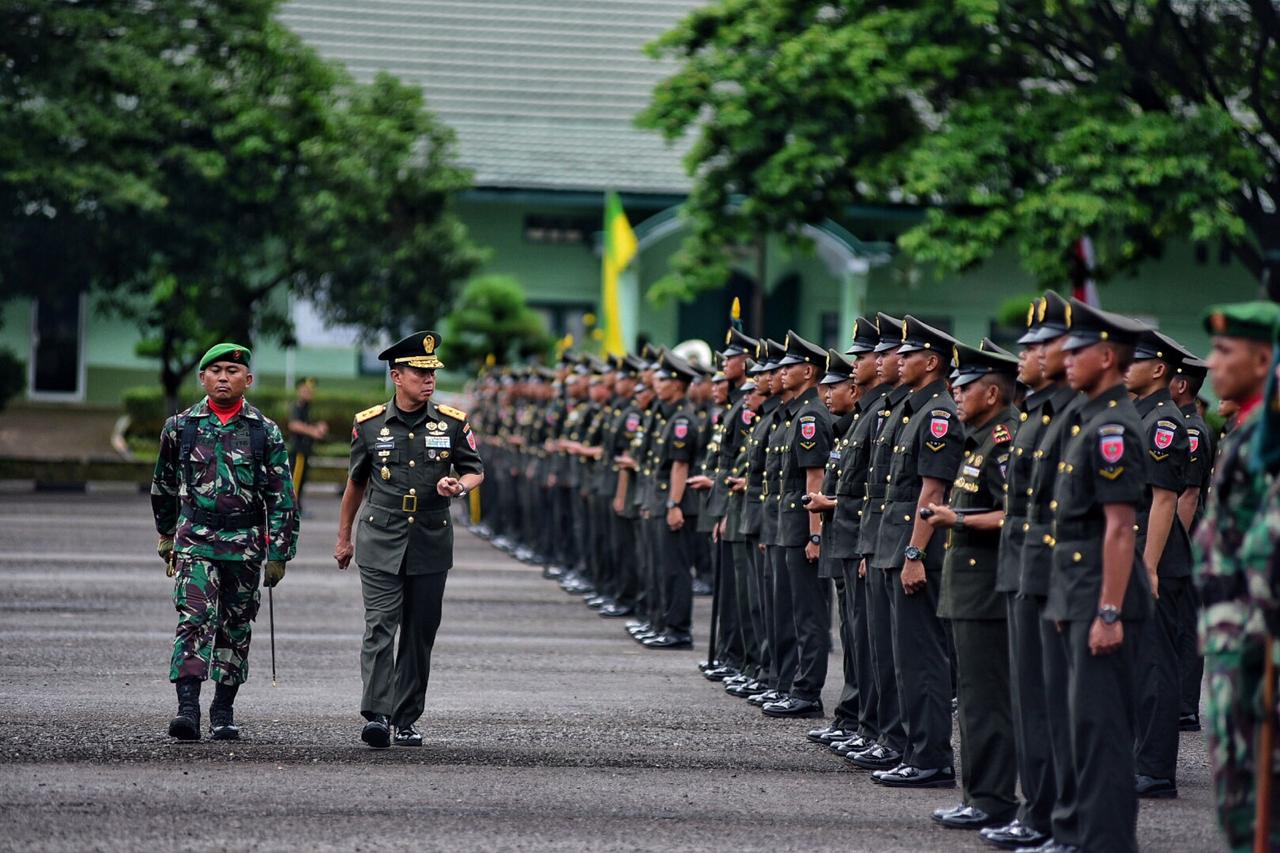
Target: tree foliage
{"type": "Point", "coordinates": [491, 318]}
{"type": "Point", "coordinates": [1023, 122]}
{"type": "Point", "coordinates": [192, 159]}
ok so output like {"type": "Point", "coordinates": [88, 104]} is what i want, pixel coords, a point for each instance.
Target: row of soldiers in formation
{"type": "Point", "coordinates": [1011, 532]}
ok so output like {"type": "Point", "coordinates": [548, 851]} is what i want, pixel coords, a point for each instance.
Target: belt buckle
{"type": "Point", "coordinates": [409, 503]}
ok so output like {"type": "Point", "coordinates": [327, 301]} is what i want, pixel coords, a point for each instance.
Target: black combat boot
{"type": "Point", "coordinates": [186, 725]}
{"type": "Point", "coordinates": [222, 721]}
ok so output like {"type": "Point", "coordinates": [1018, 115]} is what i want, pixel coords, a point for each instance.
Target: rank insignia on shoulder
{"type": "Point", "coordinates": [1163, 436]}
{"type": "Point", "coordinates": [1111, 473]}
{"type": "Point", "coordinates": [371, 412]}
{"type": "Point", "coordinates": [935, 446]}
{"type": "Point", "coordinates": [1001, 434]}
{"type": "Point", "coordinates": [456, 414]}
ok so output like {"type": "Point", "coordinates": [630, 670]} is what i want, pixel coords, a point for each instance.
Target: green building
{"type": "Point", "coordinates": [542, 97]}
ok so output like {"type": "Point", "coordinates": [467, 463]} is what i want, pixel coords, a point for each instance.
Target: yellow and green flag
{"type": "Point", "coordinates": [619, 248]}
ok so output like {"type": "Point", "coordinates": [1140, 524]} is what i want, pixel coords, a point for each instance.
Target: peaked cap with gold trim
{"type": "Point", "coordinates": [415, 350]}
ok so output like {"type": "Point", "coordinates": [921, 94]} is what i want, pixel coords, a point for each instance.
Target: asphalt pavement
{"type": "Point", "coordinates": [546, 727]}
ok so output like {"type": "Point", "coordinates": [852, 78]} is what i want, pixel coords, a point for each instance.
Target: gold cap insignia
{"type": "Point", "coordinates": [1031, 314]}
{"type": "Point", "coordinates": [904, 330]}
{"type": "Point", "coordinates": [1042, 307]}
{"type": "Point", "coordinates": [1068, 315]}
{"type": "Point", "coordinates": [429, 344]}
{"type": "Point", "coordinates": [728, 337]}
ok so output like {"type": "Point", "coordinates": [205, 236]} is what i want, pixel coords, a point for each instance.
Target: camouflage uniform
{"type": "Point", "coordinates": [1235, 544]}
{"type": "Point", "coordinates": [215, 519]}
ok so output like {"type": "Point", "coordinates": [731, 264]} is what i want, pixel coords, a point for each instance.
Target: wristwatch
{"type": "Point", "coordinates": [1109, 614]}
{"type": "Point", "coordinates": [913, 553]}
{"type": "Point", "coordinates": [672, 504]}
{"type": "Point", "coordinates": [815, 538]}
{"type": "Point", "coordinates": [958, 524]}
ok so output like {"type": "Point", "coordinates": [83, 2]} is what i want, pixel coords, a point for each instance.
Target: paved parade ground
{"type": "Point", "coordinates": [546, 727]}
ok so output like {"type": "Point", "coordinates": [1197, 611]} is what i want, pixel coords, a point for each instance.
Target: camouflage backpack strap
{"type": "Point", "coordinates": [258, 444]}
{"type": "Point", "coordinates": [186, 446]}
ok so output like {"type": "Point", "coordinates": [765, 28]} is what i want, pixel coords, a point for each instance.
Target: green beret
{"type": "Point", "coordinates": [1256, 321]}
{"type": "Point", "coordinates": [226, 352]}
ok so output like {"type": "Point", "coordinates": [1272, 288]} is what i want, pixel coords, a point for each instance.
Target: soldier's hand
{"type": "Point", "coordinates": [343, 552]}
{"type": "Point", "coordinates": [819, 502]}
{"type": "Point", "coordinates": [273, 572]}
{"type": "Point", "coordinates": [913, 577]}
{"type": "Point", "coordinates": [1154, 577]}
{"type": "Point", "coordinates": [617, 506]}
{"type": "Point", "coordinates": [164, 547]}
{"type": "Point", "coordinates": [1105, 639]}
{"type": "Point", "coordinates": [700, 483]}
{"type": "Point", "coordinates": [812, 552]}
{"type": "Point", "coordinates": [943, 516]}
{"type": "Point", "coordinates": [862, 567]}
{"type": "Point", "coordinates": [449, 487]}
{"type": "Point", "coordinates": [675, 518]}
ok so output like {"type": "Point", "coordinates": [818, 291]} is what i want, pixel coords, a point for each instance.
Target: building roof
{"type": "Point", "coordinates": [542, 93]}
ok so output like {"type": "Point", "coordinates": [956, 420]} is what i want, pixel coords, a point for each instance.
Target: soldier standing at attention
{"type": "Point", "coordinates": [927, 444]}
{"type": "Point", "coordinates": [302, 433]}
{"type": "Point", "coordinates": [1166, 552]}
{"type": "Point", "coordinates": [983, 386]}
{"type": "Point", "coordinates": [404, 454]}
{"type": "Point", "coordinates": [887, 750]}
{"type": "Point", "coordinates": [1098, 587]}
{"type": "Point", "coordinates": [1234, 571]}
{"type": "Point", "coordinates": [1201, 448]}
{"type": "Point", "coordinates": [222, 471]}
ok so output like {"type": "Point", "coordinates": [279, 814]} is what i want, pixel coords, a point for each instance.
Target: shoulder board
{"type": "Point", "coordinates": [457, 414]}
{"type": "Point", "coordinates": [371, 412]}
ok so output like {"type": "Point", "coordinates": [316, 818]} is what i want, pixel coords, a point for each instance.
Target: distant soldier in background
{"type": "Point", "coordinates": [303, 433]}
{"type": "Point", "coordinates": [223, 501]}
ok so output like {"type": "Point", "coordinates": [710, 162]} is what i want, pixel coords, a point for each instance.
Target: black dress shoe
{"type": "Point", "coordinates": [857, 743]}
{"type": "Point", "coordinates": [377, 732]}
{"type": "Point", "coordinates": [1189, 723]}
{"type": "Point", "coordinates": [552, 572]}
{"type": "Point", "coordinates": [1050, 846]}
{"type": "Point", "coordinates": [964, 817]}
{"type": "Point", "coordinates": [668, 640]}
{"type": "Point", "coordinates": [906, 776]}
{"type": "Point", "coordinates": [829, 734]}
{"type": "Point", "coordinates": [408, 736]}
{"type": "Point", "coordinates": [720, 673]}
{"type": "Point", "coordinates": [793, 706]}
{"type": "Point", "coordinates": [761, 698]}
{"type": "Point", "coordinates": [747, 689]}
{"type": "Point", "coordinates": [876, 757]}
{"type": "Point", "coordinates": [1013, 836]}
{"type": "Point", "coordinates": [597, 601]}
{"type": "Point", "coordinates": [1155, 789]}
{"type": "Point", "coordinates": [737, 679]}
{"type": "Point", "coordinates": [701, 588]}
{"type": "Point", "coordinates": [615, 610]}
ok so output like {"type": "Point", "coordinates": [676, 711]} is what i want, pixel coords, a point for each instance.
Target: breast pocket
{"type": "Point", "coordinates": [240, 460]}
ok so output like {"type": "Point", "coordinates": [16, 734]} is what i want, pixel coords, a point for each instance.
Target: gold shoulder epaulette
{"type": "Point", "coordinates": [458, 414]}
{"type": "Point", "coordinates": [371, 412]}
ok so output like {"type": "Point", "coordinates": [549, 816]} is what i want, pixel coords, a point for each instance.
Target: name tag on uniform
{"type": "Point", "coordinates": [385, 444]}
{"type": "Point", "coordinates": [971, 471]}
{"type": "Point", "coordinates": [438, 441]}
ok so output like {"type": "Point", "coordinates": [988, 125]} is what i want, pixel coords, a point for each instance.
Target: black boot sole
{"type": "Point", "coordinates": [376, 737]}
{"type": "Point", "coordinates": [224, 733]}
{"type": "Point", "coordinates": [184, 728]}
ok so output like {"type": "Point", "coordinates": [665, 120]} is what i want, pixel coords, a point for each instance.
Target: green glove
{"type": "Point", "coordinates": [274, 572]}
{"type": "Point", "coordinates": [164, 547]}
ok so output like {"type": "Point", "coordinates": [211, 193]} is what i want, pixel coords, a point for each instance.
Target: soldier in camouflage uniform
{"type": "Point", "coordinates": [1235, 546]}
{"type": "Point", "coordinates": [222, 471]}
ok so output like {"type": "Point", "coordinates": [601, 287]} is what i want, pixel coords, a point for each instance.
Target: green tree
{"type": "Point", "coordinates": [491, 318]}
{"type": "Point", "coordinates": [1029, 123]}
{"type": "Point", "coordinates": [212, 160]}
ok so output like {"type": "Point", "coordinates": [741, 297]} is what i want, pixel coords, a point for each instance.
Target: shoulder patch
{"type": "Point", "coordinates": [456, 414]}
{"type": "Point", "coordinates": [939, 413]}
{"type": "Point", "coordinates": [1001, 434]}
{"type": "Point", "coordinates": [371, 412]}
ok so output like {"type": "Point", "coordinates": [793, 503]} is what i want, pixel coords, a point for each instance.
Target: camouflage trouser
{"type": "Point", "coordinates": [1234, 712]}
{"type": "Point", "coordinates": [217, 601]}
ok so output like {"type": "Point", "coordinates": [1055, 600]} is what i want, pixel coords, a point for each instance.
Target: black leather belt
{"type": "Point", "coordinates": [409, 503]}
{"type": "Point", "coordinates": [223, 520]}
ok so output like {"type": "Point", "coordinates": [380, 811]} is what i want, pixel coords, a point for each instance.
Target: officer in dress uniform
{"type": "Point", "coordinates": [1166, 551]}
{"type": "Point", "coordinates": [802, 451]}
{"type": "Point", "coordinates": [409, 457]}
{"type": "Point", "coordinates": [1098, 586]}
{"type": "Point", "coordinates": [887, 750]}
{"type": "Point", "coordinates": [1022, 574]}
{"type": "Point", "coordinates": [983, 385]}
{"type": "Point", "coordinates": [840, 541]}
{"type": "Point", "coordinates": [926, 444]}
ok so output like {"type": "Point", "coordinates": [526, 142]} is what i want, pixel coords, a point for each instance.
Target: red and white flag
{"type": "Point", "coordinates": [1085, 289]}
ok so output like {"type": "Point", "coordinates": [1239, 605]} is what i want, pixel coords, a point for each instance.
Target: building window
{"type": "Point", "coordinates": [566, 318]}
{"type": "Point", "coordinates": [559, 230]}
{"type": "Point", "coordinates": [830, 335]}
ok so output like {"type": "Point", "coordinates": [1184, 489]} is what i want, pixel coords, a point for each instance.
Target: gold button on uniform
{"type": "Point", "coordinates": [413, 464]}
{"type": "Point", "coordinates": [411, 519]}
{"type": "Point", "coordinates": [1077, 556]}
{"type": "Point", "coordinates": [410, 435]}
{"type": "Point", "coordinates": [413, 491]}
{"type": "Point", "coordinates": [973, 562]}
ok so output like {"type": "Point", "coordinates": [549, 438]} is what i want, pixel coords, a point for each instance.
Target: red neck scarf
{"type": "Point", "coordinates": [1247, 407]}
{"type": "Point", "coordinates": [226, 413]}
